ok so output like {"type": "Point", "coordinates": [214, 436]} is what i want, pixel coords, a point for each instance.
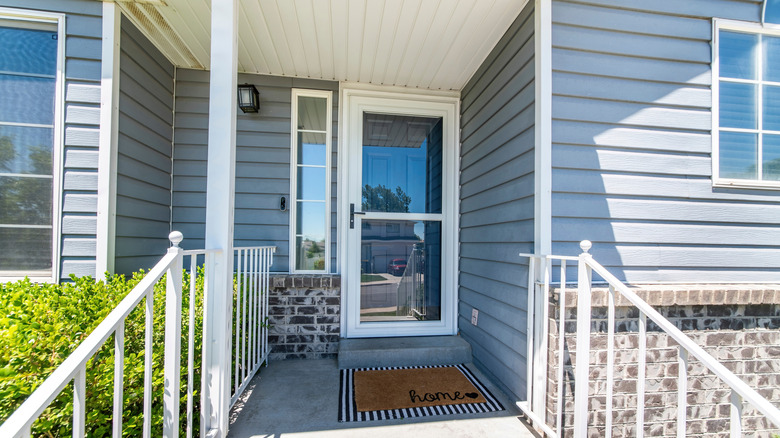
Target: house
{"type": "Point", "coordinates": [487, 128]}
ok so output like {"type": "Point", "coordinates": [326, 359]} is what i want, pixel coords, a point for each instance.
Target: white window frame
{"type": "Point", "coordinates": [293, 198]}
{"type": "Point", "coordinates": [745, 27]}
{"type": "Point", "coordinates": [30, 18]}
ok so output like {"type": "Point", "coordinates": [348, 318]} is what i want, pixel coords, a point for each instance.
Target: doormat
{"type": "Point", "coordinates": [367, 394]}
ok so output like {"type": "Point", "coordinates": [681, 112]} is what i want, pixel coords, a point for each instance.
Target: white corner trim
{"type": "Point", "coordinates": [543, 127]}
{"type": "Point", "coordinates": [109, 134]}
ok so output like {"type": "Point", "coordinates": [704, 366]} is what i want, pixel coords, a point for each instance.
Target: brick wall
{"type": "Point", "coordinates": [744, 337]}
{"type": "Point", "coordinates": [304, 314]}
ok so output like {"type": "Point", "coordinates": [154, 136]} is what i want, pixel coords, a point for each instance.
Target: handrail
{"type": "Point", "coordinates": [747, 393]}
{"type": "Point", "coordinates": [539, 290]}
{"type": "Point", "coordinates": [21, 420]}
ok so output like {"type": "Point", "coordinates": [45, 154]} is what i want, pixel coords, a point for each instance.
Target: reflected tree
{"type": "Point", "coordinates": [772, 169]}
{"type": "Point", "coordinates": [25, 200]}
{"type": "Point", "coordinates": [381, 198]}
{"type": "Point", "coordinates": [7, 153]}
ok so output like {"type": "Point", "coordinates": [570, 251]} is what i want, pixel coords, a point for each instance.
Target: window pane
{"type": "Point", "coordinates": [736, 53]}
{"type": "Point", "coordinates": [738, 155]}
{"type": "Point", "coordinates": [400, 271]}
{"type": "Point", "coordinates": [737, 105]}
{"type": "Point", "coordinates": [312, 113]}
{"type": "Point", "coordinates": [26, 150]}
{"type": "Point", "coordinates": [25, 250]}
{"type": "Point", "coordinates": [771, 157]}
{"type": "Point", "coordinates": [25, 201]}
{"type": "Point", "coordinates": [311, 148]}
{"type": "Point", "coordinates": [772, 11]}
{"type": "Point", "coordinates": [311, 183]}
{"type": "Point", "coordinates": [771, 58]}
{"type": "Point", "coordinates": [28, 51]}
{"type": "Point", "coordinates": [310, 254]}
{"type": "Point", "coordinates": [771, 108]}
{"type": "Point", "coordinates": [402, 164]}
{"type": "Point", "coordinates": [26, 99]}
{"type": "Point", "coordinates": [311, 220]}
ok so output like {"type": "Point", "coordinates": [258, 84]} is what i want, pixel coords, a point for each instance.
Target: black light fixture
{"type": "Point", "coordinates": [248, 98]}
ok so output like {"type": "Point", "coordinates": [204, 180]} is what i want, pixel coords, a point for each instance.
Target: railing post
{"type": "Point", "coordinates": [172, 362]}
{"type": "Point", "coordinates": [582, 366]}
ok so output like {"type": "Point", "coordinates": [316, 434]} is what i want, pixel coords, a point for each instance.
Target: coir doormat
{"type": "Point", "coordinates": [367, 394]}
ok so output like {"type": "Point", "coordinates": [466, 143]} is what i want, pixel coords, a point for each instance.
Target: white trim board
{"type": "Point", "coordinates": [109, 137]}
{"type": "Point", "coordinates": [543, 127]}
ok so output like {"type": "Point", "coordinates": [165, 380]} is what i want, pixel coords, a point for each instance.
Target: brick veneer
{"type": "Point", "coordinates": [743, 334]}
{"type": "Point", "coordinates": [304, 315]}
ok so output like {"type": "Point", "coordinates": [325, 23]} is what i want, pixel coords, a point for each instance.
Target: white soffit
{"type": "Point", "coordinates": [427, 44]}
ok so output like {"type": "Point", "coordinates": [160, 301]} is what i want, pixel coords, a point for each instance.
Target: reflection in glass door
{"type": "Point", "coordinates": [401, 232]}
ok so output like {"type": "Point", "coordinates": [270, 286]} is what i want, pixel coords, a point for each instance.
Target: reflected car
{"type": "Point", "coordinates": [396, 266]}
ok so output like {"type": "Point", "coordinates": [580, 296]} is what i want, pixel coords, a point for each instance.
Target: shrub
{"type": "Point", "coordinates": [41, 324]}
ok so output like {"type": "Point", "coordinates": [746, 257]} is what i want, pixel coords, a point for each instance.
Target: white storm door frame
{"type": "Point", "coordinates": [355, 102]}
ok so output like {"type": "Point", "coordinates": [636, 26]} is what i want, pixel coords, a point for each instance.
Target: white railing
{"type": "Point", "coordinates": [412, 301]}
{"type": "Point", "coordinates": [740, 392]}
{"type": "Point", "coordinates": [251, 336]}
{"type": "Point", "coordinates": [250, 330]}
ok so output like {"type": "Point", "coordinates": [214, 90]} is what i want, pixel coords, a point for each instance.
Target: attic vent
{"type": "Point", "coordinates": [150, 2]}
{"type": "Point", "coordinates": [145, 15]}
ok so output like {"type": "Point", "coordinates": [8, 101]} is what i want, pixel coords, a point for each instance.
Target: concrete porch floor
{"type": "Point", "coordinates": [299, 398]}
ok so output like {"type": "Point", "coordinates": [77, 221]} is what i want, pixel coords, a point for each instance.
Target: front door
{"type": "Point", "coordinates": [400, 218]}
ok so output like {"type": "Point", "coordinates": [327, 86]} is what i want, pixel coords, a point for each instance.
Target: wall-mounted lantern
{"type": "Point", "coordinates": [248, 98]}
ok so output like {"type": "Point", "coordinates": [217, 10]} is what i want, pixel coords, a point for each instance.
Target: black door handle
{"type": "Point", "coordinates": [352, 214]}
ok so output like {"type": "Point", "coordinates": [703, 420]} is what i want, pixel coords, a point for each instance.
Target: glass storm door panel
{"type": "Point", "coordinates": [399, 214]}
{"type": "Point", "coordinates": [400, 255]}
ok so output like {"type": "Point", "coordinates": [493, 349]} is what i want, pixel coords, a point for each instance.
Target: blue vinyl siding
{"type": "Point", "coordinates": [497, 204]}
{"type": "Point", "coordinates": [262, 163]}
{"type": "Point", "coordinates": [632, 148]}
{"type": "Point", "coordinates": [144, 158]}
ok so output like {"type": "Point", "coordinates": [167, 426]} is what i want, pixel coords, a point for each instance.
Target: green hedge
{"type": "Point", "coordinates": [41, 324]}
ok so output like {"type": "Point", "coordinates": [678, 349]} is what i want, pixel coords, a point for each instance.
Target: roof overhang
{"type": "Point", "coordinates": [425, 44]}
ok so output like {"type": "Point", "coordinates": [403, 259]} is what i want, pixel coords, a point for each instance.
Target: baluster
{"type": "Point", "coordinates": [582, 367]}
{"type": "Point", "coordinates": [531, 291]}
{"type": "Point", "coordinates": [266, 292]}
{"type": "Point", "coordinates": [252, 304]}
{"type": "Point", "coordinates": [79, 402]}
{"type": "Point", "coordinates": [561, 342]}
{"type": "Point", "coordinates": [119, 373]}
{"type": "Point", "coordinates": [682, 390]}
{"type": "Point", "coordinates": [610, 359]}
{"type": "Point", "coordinates": [245, 315]}
{"type": "Point", "coordinates": [640, 384]}
{"type": "Point", "coordinates": [191, 342]}
{"type": "Point", "coordinates": [147, 431]}
{"type": "Point", "coordinates": [736, 414]}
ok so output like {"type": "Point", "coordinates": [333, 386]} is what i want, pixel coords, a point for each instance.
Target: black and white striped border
{"type": "Point", "coordinates": [348, 409]}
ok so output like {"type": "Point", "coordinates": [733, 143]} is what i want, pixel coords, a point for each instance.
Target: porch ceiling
{"type": "Point", "coordinates": [428, 44]}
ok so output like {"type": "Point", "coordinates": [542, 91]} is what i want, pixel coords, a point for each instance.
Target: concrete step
{"type": "Point", "coordinates": [402, 352]}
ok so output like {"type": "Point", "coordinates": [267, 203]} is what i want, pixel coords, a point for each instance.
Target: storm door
{"type": "Point", "coordinates": [399, 219]}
